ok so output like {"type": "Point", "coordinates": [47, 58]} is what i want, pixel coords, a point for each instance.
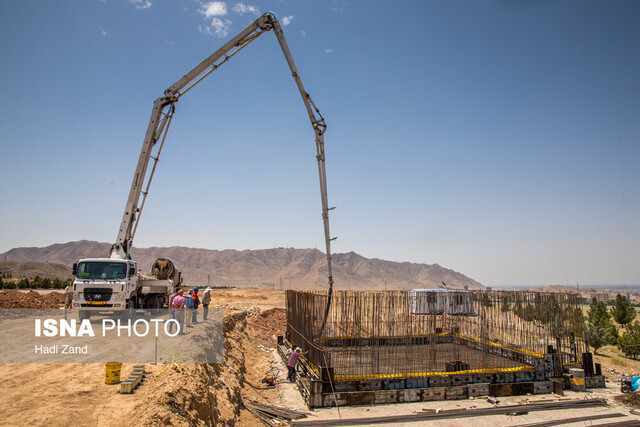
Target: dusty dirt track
{"type": "Point", "coordinates": [202, 395]}
{"type": "Point", "coordinates": [75, 394]}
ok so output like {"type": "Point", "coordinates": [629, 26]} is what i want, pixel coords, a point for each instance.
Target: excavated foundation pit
{"type": "Point", "coordinates": [421, 345]}
{"type": "Point", "coordinates": [380, 362]}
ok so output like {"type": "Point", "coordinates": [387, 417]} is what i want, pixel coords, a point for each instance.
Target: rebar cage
{"type": "Point", "coordinates": [379, 334]}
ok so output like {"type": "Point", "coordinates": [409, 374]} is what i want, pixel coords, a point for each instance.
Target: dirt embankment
{"type": "Point", "coordinates": [13, 298]}
{"type": "Point", "coordinates": [212, 394]}
{"type": "Point", "coordinates": [191, 395]}
{"type": "Point", "coordinates": [267, 325]}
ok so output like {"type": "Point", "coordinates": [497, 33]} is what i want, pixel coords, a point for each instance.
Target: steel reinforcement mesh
{"type": "Point", "coordinates": [374, 334]}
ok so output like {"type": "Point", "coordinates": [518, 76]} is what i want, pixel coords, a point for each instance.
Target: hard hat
{"type": "Point", "coordinates": [196, 289]}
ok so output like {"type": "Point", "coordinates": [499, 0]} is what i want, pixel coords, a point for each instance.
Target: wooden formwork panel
{"type": "Point", "coordinates": [341, 386]}
{"type": "Point", "coordinates": [311, 392]}
{"type": "Point", "coordinates": [433, 393]}
{"type": "Point", "coordinates": [476, 390]}
{"type": "Point", "coordinates": [461, 379]}
{"type": "Point", "coordinates": [411, 395]}
{"type": "Point", "coordinates": [386, 396]}
{"type": "Point", "coordinates": [372, 397]}
{"type": "Point", "coordinates": [512, 389]}
{"type": "Point", "coordinates": [523, 376]}
{"type": "Point", "coordinates": [439, 381]}
{"type": "Point", "coordinates": [595, 381]}
{"type": "Point", "coordinates": [369, 385]}
{"type": "Point", "coordinates": [355, 398]}
{"type": "Point", "coordinates": [456, 392]}
{"type": "Point", "coordinates": [330, 400]}
{"type": "Point", "coordinates": [543, 387]}
{"type": "Point", "coordinates": [482, 378]}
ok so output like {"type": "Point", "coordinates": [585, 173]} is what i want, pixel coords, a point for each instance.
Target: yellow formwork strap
{"type": "Point", "coordinates": [173, 357]}
{"type": "Point", "coordinates": [351, 337]}
{"type": "Point", "coordinates": [313, 366]}
{"type": "Point", "coordinates": [426, 374]}
{"type": "Point", "coordinates": [522, 350]}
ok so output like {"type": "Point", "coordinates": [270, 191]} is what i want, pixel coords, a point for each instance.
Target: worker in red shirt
{"type": "Point", "coordinates": [196, 303]}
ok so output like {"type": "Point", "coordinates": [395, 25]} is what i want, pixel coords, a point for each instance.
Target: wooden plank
{"type": "Point", "coordinates": [496, 410]}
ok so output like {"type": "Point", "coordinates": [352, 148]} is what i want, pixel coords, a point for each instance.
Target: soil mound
{"type": "Point", "coordinates": [13, 298]}
{"type": "Point", "coordinates": [268, 324]}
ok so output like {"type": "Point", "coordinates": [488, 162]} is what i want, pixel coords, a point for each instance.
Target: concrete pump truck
{"type": "Point", "coordinates": [114, 284]}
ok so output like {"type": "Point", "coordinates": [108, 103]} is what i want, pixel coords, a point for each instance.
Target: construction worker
{"type": "Point", "coordinates": [68, 297]}
{"type": "Point", "coordinates": [196, 303]}
{"type": "Point", "coordinates": [178, 305]}
{"type": "Point", "coordinates": [171, 310]}
{"type": "Point", "coordinates": [188, 306]}
{"type": "Point", "coordinates": [291, 364]}
{"type": "Point", "coordinates": [206, 299]}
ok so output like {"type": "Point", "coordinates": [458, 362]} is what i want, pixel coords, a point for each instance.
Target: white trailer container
{"type": "Point", "coordinates": [441, 301]}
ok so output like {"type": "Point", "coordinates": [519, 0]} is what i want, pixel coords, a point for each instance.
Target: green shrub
{"type": "Point", "coordinates": [600, 331]}
{"type": "Point", "coordinates": [622, 311]}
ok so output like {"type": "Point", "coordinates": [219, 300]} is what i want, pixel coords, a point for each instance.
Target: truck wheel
{"type": "Point", "coordinates": [157, 302]}
{"type": "Point", "coordinates": [84, 314]}
{"type": "Point", "coordinates": [130, 308]}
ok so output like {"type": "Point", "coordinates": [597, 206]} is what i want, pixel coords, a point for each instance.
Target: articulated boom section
{"type": "Point", "coordinates": [162, 113]}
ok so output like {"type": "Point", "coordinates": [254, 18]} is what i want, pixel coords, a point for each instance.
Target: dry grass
{"type": "Point", "coordinates": [611, 357]}
{"type": "Point", "coordinates": [631, 399]}
{"type": "Point", "coordinates": [619, 361]}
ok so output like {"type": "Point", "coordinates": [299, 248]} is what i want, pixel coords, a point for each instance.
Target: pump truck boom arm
{"type": "Point", "coordinates": [162, 114]}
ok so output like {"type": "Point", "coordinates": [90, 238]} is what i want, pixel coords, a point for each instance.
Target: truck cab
{"type": "Point", "coordinates": [109, 285]}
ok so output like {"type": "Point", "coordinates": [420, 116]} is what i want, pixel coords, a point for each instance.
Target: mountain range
{"type": "Point", "coordinates": [278, 267]}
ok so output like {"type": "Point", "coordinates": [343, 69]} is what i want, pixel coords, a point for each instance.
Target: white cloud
{"type": "Point", "coordinates": [214, 8]}
{"type": "Point", "coordinates": [141, 4]}
{"type": "Point", "coordinates": [205, 30]}
{"type": "Point", "coordinates": [244, 8]}
{"type": "Point", "coordinates": [328, 50]}
{"type": "Point", "coordinates": [287, 20]}
{"type": "Point", "coordinates": [220, 27]}
{"type": "Point", "coordinates": [304, 33]}
{"type": "Point", "coordinates": [104, 33]}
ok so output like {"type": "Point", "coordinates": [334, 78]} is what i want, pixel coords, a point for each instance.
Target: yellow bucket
{"type": "Point", "coordinates": [112, 372]}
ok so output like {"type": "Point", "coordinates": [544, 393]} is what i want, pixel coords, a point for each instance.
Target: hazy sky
{"type": "Point", "coordinates": [497, 138]}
